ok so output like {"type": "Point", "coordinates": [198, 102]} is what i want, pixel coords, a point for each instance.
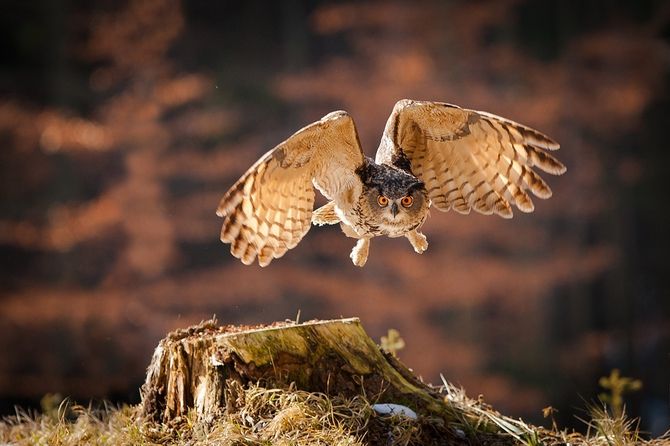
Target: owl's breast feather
{"type": "Point", "coordinates": [395, 229]}
{"type": "Point", "coordinates": [370, 224]}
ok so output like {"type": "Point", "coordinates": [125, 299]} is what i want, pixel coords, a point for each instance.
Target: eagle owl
{"type": "Point", "coordinates": [430, 154]}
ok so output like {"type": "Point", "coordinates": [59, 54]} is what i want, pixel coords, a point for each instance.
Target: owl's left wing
{"type": "Point", "coordinates": [469, 159]}
{"type": "Point", "coordinates": [269, 209]}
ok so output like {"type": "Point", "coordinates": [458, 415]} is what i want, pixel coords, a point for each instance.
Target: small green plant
{"type": "Point", "coordinates": [392, 342]}
{"type": "Point", "coordinates": [51, 405]}
{"type": "Point", "coordinates": [616, 386]}
{"type": "Point", "coordinates": [548, 412]}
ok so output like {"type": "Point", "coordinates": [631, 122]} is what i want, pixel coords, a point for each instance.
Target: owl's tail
{"type": "Point", "coordinates": [325, 215]}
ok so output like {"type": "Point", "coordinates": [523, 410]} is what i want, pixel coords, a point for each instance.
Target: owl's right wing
{"type": "Point", "coordinates": [469, 159]}
{"type": "Point", "coordinates": [268, 211]}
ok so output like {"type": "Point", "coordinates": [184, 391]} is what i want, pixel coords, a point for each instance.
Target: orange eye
{"type": "Point", "coordinates": [382, 200]}
{"type": "Point", "coordinates": [406, 201]}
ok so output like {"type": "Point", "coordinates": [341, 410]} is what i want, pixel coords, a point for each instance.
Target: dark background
{"type": "Point", "coordinates": [123, 123]}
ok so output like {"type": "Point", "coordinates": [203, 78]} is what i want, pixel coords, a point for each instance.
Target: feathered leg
{"type": "Point", "coordinates": [418, 241]}
{"type": "Point", "coordinates": [359, 255]}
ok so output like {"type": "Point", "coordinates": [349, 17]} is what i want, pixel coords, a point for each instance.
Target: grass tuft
{"type": "Point", "coordinates": [263, 416]}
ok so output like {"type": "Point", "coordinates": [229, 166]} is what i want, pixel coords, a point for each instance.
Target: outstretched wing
{"type": "Point", "coordinates": [469, 159]}
{"type": "Point", "coordinates": [269, 209]}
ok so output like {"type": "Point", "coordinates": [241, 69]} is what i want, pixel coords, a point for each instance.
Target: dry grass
{"type": "Point", "coordinates": [75, 425]}
{"type": "Point", "coordinates": [603, 429]}
{"type": "Point", "coordinates": [261, 416]}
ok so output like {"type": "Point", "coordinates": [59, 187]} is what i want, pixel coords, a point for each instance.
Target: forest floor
{"type": "Point", "coordinates": [279, 414]}
{"type": "Point", "coordinates": [293, 417]}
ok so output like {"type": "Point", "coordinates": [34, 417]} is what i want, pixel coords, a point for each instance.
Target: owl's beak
{"type": "Point", "coordinates": [394, 209]}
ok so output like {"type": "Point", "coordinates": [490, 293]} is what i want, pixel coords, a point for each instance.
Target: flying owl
{"type": "Point", "coordinates": [431, 154]}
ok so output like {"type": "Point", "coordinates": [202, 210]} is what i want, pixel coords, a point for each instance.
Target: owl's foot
{"type": "Point", "coordinates": [359, 255]}
{"type": "Point", "coordinates": [418, 241]}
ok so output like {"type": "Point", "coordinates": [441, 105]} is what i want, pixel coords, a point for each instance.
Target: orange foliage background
{"type": "Point", "coordinates": [123, 123]}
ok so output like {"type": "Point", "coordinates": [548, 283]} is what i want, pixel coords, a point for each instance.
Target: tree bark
{"type": "Point", "coordinates": [196, 368]}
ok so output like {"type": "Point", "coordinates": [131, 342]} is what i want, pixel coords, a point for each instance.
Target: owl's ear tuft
{"type": "Point", "coordinates": [419, 185]}
{"type": "Point", "coordinates": [365, 171]}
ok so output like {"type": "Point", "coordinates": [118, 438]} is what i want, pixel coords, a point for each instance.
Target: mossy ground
{"type": "Point", "coordinates": [262, 416]}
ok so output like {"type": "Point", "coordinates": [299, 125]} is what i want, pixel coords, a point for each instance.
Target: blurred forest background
{"type": "Point", "coordinates": [123, 122]}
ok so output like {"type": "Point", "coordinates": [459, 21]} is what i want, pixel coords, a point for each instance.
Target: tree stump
{"type": "Point", "coordinates": [199, 368]}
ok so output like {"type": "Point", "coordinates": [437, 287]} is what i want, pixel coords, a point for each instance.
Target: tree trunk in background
{"type": "Point", "coordinates": [197, 368]}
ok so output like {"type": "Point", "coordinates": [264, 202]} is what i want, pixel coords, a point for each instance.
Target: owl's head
{"type": "Point", "coordinates": [397, 197]}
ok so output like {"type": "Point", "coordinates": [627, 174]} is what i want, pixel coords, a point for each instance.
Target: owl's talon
{"type": "Point", "coordinates": [418, 241]}
{"type": "Point", "coordinates": [359, 255]}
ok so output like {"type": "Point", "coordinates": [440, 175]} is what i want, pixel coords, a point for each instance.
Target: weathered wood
{"type": "Point", "coordinates": [196, 368]}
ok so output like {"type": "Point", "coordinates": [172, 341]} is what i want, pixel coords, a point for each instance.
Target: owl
{"type": "Point", "coordinates": [431, 154]}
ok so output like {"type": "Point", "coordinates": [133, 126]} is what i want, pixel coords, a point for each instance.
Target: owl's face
{"type": "Point", "coordinates": [397, 201]}
{"type": "Point", "coordinates": [398, 207]}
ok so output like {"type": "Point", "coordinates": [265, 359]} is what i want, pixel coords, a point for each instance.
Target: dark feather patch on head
{"type": "Point", "coordinates": [388, 180]}
{"type": "Point", "coordinates": [418, 185]}
{"type": "Point", "coordinates": [401, 161]}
